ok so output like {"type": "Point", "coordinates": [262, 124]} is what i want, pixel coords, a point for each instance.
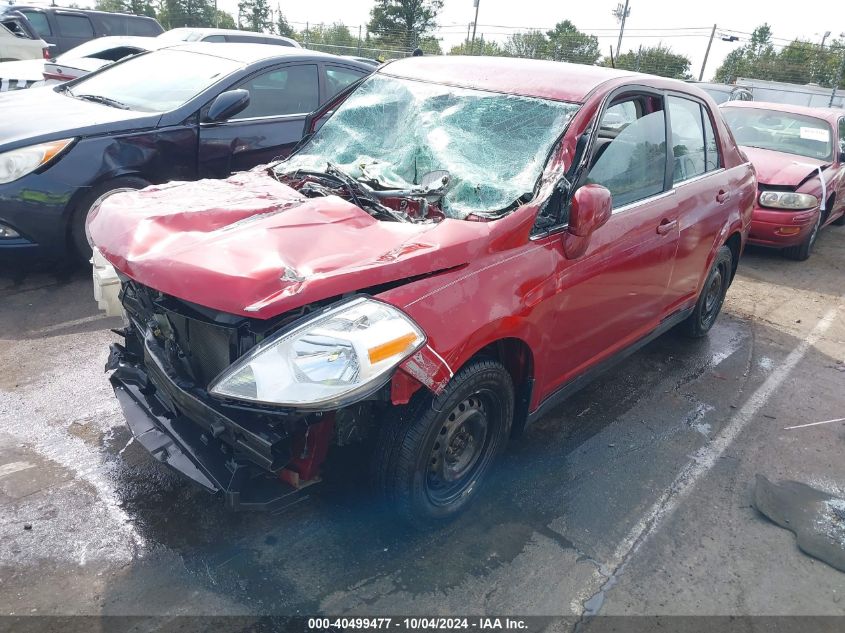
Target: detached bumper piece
{"type": "Point", "coordinates": [151, 404]}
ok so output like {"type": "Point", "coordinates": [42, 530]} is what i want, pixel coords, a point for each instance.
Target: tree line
{"type": "Point", "coordinates": [398, 26]}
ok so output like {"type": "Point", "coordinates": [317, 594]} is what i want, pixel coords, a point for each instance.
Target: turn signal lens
{"type": "Point", "coordinates": [391, 348]}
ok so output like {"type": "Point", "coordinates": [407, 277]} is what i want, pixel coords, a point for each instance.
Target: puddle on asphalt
{"type": "Point", "coordinates": [815, 517]}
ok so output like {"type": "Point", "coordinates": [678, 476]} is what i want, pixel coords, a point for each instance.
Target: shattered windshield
{"type": "Point", "coordinates": [391, 132]}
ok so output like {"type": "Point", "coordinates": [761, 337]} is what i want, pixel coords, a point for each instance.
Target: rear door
{"type": "Point", "coordinates": [72, 29]}
{"type": "Point", "coordinates": [702, 191]}
{"type": "Point", "coordinates": [616, 293]}
{"type": "Point", "coordinates": [269, 128]}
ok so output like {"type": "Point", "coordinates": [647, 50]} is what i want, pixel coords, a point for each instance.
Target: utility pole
{"type": "Point", "coordinates": [621, 14]}
{"type": "Point", "coordinates": [474, 26]}
{"type": "Point", "coordinates": [359, 40]}
{"type": "Point", "coordinates": [707, 53]}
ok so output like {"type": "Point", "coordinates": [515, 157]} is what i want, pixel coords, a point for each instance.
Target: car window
{"type": "Point", "coordinates": [143, 28]}
{"type": "Point", "coordinates": [339, 78]}
{"type": "Point", "coordinates": [631, 161]}
{"type": "Point", "coordinates": [687, 139]}
{"type": "Point", "coordinates": [39, 22]}
{"type": "Point", "coordinates": [214, 38]}
{"type": "Point", "coordinates": [74, 25]}
{"type": "Point", "coordinates": [171, 77]}
{"type": "Point", "coordinates": [291, 90]}
{"type": "Point", "coordinates": [712, 153]}
{"type": "Point", "coordinates": [276, 41]}
{"type": "Point", "coordinates": [243, 38]}
{"type": "Point", "coordinates": [781, 131]}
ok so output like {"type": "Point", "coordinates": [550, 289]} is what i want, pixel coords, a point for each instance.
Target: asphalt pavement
{"type": "Point", "coordinates": [632, 498]}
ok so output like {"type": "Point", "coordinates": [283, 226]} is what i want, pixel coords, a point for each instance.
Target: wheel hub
{"type": "Point", "coordinates": [459, 443]}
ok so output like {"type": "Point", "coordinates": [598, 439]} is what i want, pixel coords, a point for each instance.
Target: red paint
{"type": "Point", "coordinates": [227, 245]}
{"type": "Point", "coordinates": [309, 449]}
{"type": "Point", "coordinates": [784, 169]}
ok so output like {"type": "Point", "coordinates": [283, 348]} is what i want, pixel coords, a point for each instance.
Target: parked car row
{"type": "Point", "coordinates": [422, 260]}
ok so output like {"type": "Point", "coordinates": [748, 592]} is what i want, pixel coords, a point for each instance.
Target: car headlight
{"type": "Point", "coordinates": [17, 163]}
{"type": "Point", "coordinates": [788, 200]}
{"type": "Point", "coordinates": [337, 357]}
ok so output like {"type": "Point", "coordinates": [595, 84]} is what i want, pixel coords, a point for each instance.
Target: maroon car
{"type": "Point", "coordinates": [461, 244]}
{"type": "Point", "coordinates": [799, 155]}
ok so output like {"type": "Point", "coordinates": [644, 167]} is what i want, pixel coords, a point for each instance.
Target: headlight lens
{"type": "Point", "coordinates": [20, 162]}
{"type": "Point", "coordinates": [787, 200]}
{"type": "Point", "coordinates": [329, 361]}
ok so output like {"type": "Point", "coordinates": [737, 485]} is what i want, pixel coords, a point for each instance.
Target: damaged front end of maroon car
{"type": "Point", "coordinates": [260, 329]}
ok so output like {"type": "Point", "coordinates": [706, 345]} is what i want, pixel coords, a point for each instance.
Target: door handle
{"type": "Point", "coordinates": [723, 196]}
{"type": "Point", "coordinates": [666, 226]}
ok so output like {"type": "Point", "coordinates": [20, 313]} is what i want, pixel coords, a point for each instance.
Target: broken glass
{"type": "Point", "coordinates": [391, 132]}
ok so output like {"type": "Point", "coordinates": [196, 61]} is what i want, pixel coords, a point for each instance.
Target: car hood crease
{"type": "Point", "coordinates": [252, 246]}
{"type": "Point", "coordinates": [780, 168]}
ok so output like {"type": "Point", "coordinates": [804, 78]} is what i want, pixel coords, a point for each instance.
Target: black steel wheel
{"type": "Point", "coordinates": [712, 296]}
{"type": "Point", "coordinates": [432, 455]}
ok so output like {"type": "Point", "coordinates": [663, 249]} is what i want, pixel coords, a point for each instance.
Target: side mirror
{"type": "Point", "coordinates": [227, 105]}
{"type": "Point", "coordinates": [589, 209]}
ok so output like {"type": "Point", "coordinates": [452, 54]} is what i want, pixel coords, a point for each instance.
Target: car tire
{"type": "Point", "coordinates": [432, 455]}
{"type": "Point", "coordinates": [712, 296]}
{"type": "Point", "coordinates": [801, 252]}
{"type": "Point", "coordinates": [78, 239]}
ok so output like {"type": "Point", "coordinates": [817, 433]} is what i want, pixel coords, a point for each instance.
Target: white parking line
{"type": "Point", "coordinates": [704, 459]}
{"type": "Point", "coordinates": [67, 324]}
{"type": "Point", "coordinates": [14, 467]}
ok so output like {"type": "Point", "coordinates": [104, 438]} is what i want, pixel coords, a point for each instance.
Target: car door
{"type": "Point", "coordinates": [702, 191]}
{"type": "Point", "coordinates": [616, 292]}
{"type": "Point", "coordinates": [72, 29]}
{"type": "Point", "coordinates": [269, 128]}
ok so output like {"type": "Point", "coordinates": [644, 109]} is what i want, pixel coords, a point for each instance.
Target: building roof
{"type": "Point", "coordinates": [528, 77]}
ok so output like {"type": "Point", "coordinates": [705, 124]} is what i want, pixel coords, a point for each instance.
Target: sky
{"type": "Point", "coordinates": [685, 26]}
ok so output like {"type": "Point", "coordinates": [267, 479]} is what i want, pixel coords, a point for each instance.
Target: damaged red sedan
{"type": "Point", "coordinates": [799, 155]}
{"type": "Point", "coordinates": [457, 245]}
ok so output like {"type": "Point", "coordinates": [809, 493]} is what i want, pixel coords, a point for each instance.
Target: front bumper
{"type": "Point", "coordinates": [181, 431]}
{"type": "Point", "coordinates": [781, 229]}
{"type": "Point", "coordinates": [37, 207]}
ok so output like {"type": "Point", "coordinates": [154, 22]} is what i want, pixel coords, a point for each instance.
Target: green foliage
{"type": "Point", "coordinates": [531, 44]}
{"type": "Point", "coordinates": [254, 15]}
{"type": "Point", "coordinates": [224, 21]}
{"type": "Point", "coordinates": [334, 38]}
{"type": "Point", "coordinates": [403, 23]}
{"type": "Point", "coordinates": [799, 62]}
{"type": "Point", "coordinates": [282, 26]}
{"type": "Point", "coordinates": [655, 60]}
{"type": "Point", "coordinates": [481, 47]}
{"type": "Point", "coordinates": [567, 44]}
{"type": "Point", "coordinates": [136, 7]}
{"type": "Point", "coordinates": [173, 14]}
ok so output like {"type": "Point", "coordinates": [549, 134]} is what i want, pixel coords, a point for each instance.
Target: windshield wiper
{"type": "Point", "coordinates": [101, 99]}
{"type": "Point", "coordinates": [357, 188]}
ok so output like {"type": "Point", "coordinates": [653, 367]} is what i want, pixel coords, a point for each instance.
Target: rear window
{"type": "Point", "coordinates": [144, 27]}
{"type": "Point", "coordinates": [244, 38]}
{"type": "Point", "coordinates": [39, 22]}
{"type": "Point", "coordinates": [74, 25]}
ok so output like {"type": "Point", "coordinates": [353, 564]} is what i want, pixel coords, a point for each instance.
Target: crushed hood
{"type": "Point", "coordinates": [780, 168]}
{"type": "Point", "coordinates": [252, 246]}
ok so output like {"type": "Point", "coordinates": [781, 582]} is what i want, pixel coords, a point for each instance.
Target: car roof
{"type": "Point", "coordinates": [57, 9]}
{"type": "Point", "coordinates": [527, 77]}
{"type": "Point", "coordinates": [831, 115]}
{"type": "Point", "coordinates": [251, 53]}
{"type": "Point", "coordinates": [212, 31]}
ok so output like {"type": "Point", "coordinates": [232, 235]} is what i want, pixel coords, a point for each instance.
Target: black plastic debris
{"type": "Point", "coordinates": [815, 517]}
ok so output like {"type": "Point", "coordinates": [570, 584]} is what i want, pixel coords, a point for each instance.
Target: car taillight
{"type": "Point", "coordinates": [46, 53]}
